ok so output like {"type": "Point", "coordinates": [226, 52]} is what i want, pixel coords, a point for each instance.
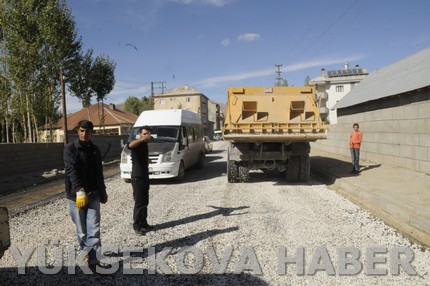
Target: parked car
{"type": "Point", "coordinates": [208, 144]}
{"type": "Point", "coordinates": [217, 135]}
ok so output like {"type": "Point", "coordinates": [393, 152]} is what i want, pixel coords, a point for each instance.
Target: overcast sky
{"type": "Point", "coordinates": [215, 44]}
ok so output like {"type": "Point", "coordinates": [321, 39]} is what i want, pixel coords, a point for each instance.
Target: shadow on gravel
{"type": "Point", "coordinates": [211, 158]}
{"type": "Point", "coordinates": [218, 211]}
{"type": "Point", "coordinates": [209, 171]}
{"type": "Point", "coordinates": [191, 239]}
{"type": "Point", "coordinates": [330, 169]}
{"type": "Point", "coordinates": [33, 276]}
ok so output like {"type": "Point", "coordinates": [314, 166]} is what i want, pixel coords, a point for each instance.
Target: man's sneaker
{"type": "Point", "coordinates": [93, 266]}
{"type": "Point", "coordinates": [148, 227]}
{"type": "Point", "coordinates": [140, 231]}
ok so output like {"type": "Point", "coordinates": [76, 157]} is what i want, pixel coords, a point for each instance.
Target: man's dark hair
{"type": "Point", "coordinates": [86, 124]}
{"type": "Point", "coordinates": [146, 127]}
{"type": "Point", "coordinates": [356, 124]}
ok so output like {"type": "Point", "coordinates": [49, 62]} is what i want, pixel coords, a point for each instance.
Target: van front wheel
{"type": "Point", "coordinates": [181, 172]}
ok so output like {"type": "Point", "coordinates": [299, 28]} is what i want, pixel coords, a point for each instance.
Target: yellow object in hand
{"type": "Point", "coordinates": [81, 198]}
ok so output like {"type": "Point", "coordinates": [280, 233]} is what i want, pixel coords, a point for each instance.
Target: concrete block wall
{"type": "Point", "coordinates": [21, 158]}
{"type": "Point", "coordinates": [394, 135]}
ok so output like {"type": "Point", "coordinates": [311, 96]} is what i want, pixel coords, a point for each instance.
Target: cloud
{"type": "Point", "coordinates": [225, 42]}
{"type": "Point", "coordinates": [213, 81]}
{"type": "Point", "coordinates": [249, 37]}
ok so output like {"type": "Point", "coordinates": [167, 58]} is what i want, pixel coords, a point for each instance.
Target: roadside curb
{"type": "Point", "coordinates": [406, 220]}
{"type": "Point", "coordinates": [22, 200]}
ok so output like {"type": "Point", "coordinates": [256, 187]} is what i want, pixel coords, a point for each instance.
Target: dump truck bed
{"type": "Point", "coordinates": [273, 114]}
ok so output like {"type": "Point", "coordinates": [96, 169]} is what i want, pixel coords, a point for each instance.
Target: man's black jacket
{"type": "Point", "coordinates": [83, 166]}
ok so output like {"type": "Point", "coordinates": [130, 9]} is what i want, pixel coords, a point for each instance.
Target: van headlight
{"type": "Point", "coordinates": [168, 156]}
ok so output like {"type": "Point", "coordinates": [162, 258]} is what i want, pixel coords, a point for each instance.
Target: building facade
{"type": "Point", "coordinates": [188, 98]}
{"type": "Point", "coordinates": [333, 85]}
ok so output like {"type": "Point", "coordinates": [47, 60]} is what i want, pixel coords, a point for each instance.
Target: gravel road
{"type": "Point", "coordinates": [210, 232]}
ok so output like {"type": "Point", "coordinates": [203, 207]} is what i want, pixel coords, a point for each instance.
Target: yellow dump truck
{"type": "Point", "coordinates": [270, 128]}
{"type": "Point", "coordinates": [4, 230]}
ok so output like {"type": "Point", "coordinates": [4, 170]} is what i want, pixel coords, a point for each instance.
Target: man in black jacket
{"type": "Point", "coordinates": [140, 180]}
{"type": "Point", "coordinates": [85, 190]}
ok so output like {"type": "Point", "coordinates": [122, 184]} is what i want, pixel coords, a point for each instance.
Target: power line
{"type": "Point", "coordinates": [328, 27]}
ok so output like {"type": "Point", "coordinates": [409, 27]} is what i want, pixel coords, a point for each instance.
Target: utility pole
{"type": "Point", "coordinates": [63, 98]}
{"type": "Point", "coordinates": [152, 90]}
{"type": "Point", "coordinates": [278, 74]}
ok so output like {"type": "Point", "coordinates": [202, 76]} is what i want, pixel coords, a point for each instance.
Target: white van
{"type": "Point", "coordinates": [177, 143]}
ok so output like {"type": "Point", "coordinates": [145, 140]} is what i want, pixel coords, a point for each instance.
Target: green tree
{"type": "Point", "coordinates": [5, 87]}
{"type": "Point", "coordinates": [59, 53]}
{"type": "Point", "coordinates": [39, 44]}
{"type": "Point", "coordinates": [146, 103]}
{"type": "Point", "coordinates": [80, 79]}
{"type": "Point", "coordinates": [136, 106]}
{"type": "Point", "coordinates": [307, 79]}
{"type": "Point", "coordinates": [133, 105]}
{"type": "Point", "coordinates": [102, 81]}
{"type": "Point", "coordinates": [283, 83]}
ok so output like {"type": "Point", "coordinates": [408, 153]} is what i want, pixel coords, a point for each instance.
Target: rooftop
{"type": "Point", "coordinates": [408, 74]}
{"type": "Point", "coordinates": [112, 115]}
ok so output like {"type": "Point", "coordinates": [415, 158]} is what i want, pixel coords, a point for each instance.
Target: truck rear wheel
{"type": "Point", "coordinates": [232, 171]}
{"type": "Point", "coordinates": [243, 174]}
{"type": "Point", "coordinates": [305, 168]}
{"type": "Point", "coordinates": [292, 173]}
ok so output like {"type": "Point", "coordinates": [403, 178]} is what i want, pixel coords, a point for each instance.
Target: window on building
{"type": "Point", "coordinates": [188, 99]}
{"type": "Point", "coordinates": [162, 101]}
{"type": "Point", "coordinates": [339, 88]}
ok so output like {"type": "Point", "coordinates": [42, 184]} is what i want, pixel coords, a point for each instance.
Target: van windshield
{"type": "Point", "coordinates": [159, 133]}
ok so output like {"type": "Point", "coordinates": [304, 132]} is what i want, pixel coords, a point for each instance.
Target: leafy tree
{"type": "Point", "coordinates": [102, 77]}
{"type": "Point", "coordinates": [307, 79]}
{"type": "Point", "coordinates": [80, 79]}
{"type": "Point", "coordinates": [40, 50]}
{"type": "Point", "coordinates": [102, 81]}
{"type": "Point", "coordinates": [39, 44]}
{"type": "Point", "coordinates": [133, 105]}
{"type": "Point", "coordinates": [146, 103]}
{"type": "Point", "coordinates": [283, 83]}
{"type": "Point", "coordinates": [5, 87]}
{"type": "Point", "coordinates": [136, 106]}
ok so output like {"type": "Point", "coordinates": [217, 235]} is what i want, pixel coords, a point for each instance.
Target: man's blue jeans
{"type": "Point", "coordinates": [355, 156]}
{"type": "Point", "coordinates": [87, 221]}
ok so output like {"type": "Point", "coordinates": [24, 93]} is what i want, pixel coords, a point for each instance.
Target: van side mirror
{"type": "Point", "coordinates": [184, 141]}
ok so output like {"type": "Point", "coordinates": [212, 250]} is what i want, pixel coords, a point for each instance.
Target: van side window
{"type": "Point", "coordinates": [193, 135]}
{"type": "Point", "coordinates": [190, 133]}
{"type": "Point", "coordinates": [183, 134]}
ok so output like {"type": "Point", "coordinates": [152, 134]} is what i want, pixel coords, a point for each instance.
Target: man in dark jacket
{"type": "Point", "coordinates": [85, 190]}
{"type": "Point", "coordinates": [140, 180]}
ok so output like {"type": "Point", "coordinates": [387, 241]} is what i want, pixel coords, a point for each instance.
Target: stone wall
{"type": "Point", "coordinates": [396, 131]}
{"type": "Point", "coordinates": [21, 158]}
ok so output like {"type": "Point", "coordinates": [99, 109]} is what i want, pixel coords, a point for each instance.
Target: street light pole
{"type": "Point", "coordinates": [63, 98]}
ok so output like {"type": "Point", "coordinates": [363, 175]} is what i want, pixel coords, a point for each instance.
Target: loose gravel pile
{"type": "Point", "coordinates": [210, 232]}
